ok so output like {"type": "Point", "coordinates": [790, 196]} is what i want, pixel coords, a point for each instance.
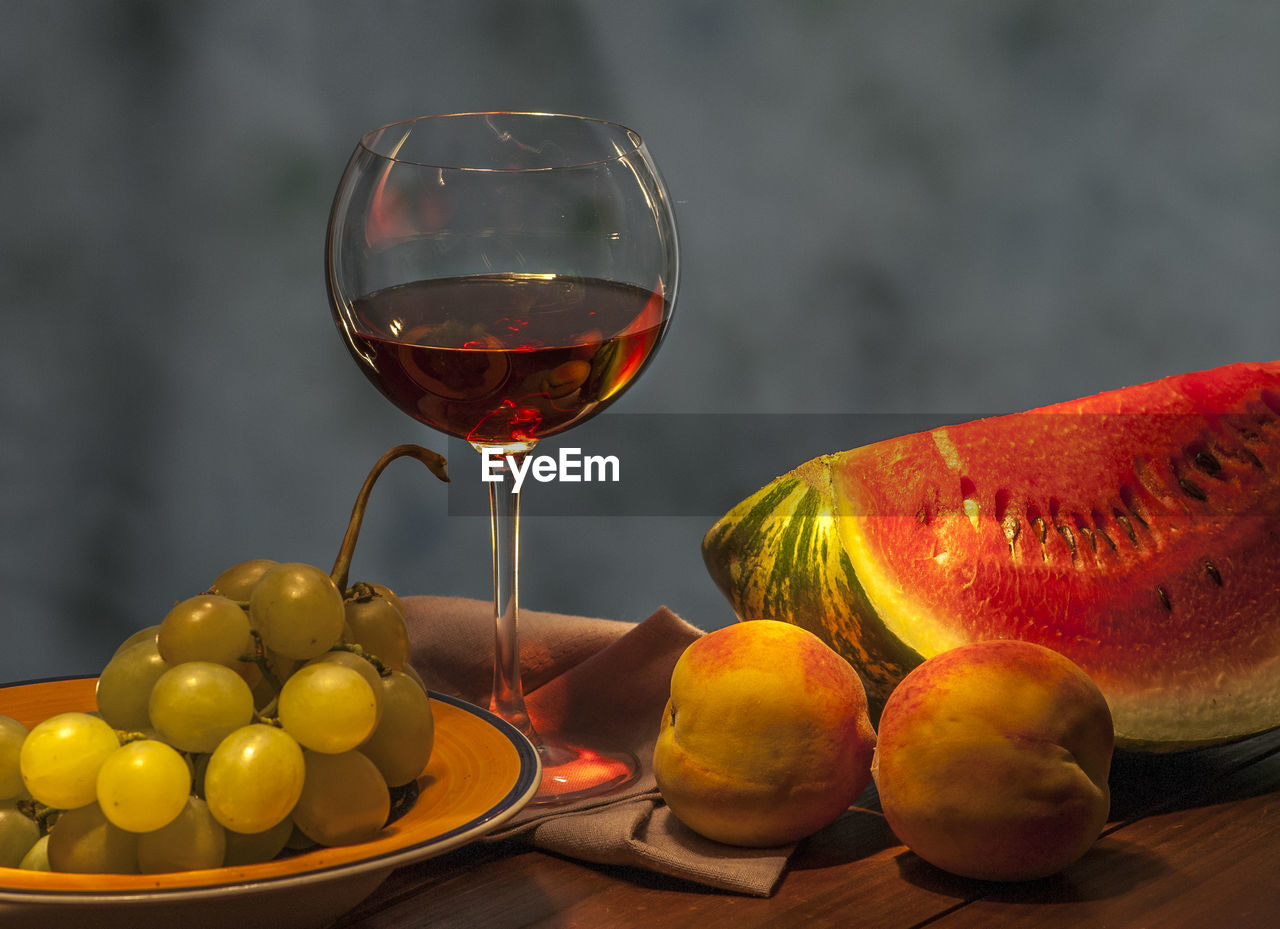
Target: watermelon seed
{"type": "Point", "coordinates": [1130, 500]}
{"type": "Point", "coordinates": [1098, 520]}
{"type": "Point", "coordinates": [1210, 570]}
{"type": "Point", "coordinates": [1192, 489]}
{"type": "Point", "coordinates": [1164, 598]}
{"type": "Point", "coordinates": [1069, 537]}
{"type": "Point", "coordinates": [1248, 434]}
{"type": "Point", "coordinates": [1127, 527]}
{"type": "Point", "coordinates": [1088, 534]}
{"type": "Point", "coordinates": [1011, 529]}
{"type": "Point", "coordinates": [1206, 462]}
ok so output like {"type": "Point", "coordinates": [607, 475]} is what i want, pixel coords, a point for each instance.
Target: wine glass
{"type": "Point", "coordinates": [503, 277]}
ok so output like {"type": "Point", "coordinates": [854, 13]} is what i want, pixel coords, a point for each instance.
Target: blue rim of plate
{"type": "Point", "coordinates": [528, 780]}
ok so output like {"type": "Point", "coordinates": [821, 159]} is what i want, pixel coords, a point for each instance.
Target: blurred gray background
{"type": "Point", "coordinates": [886, 207]}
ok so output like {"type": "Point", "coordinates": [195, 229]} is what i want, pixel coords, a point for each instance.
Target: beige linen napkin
{"type": "Point", "coordinates": [602, 683]}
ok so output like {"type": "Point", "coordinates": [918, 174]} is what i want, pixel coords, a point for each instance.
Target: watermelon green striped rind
{"type": "Point", "coordinates": [778, 555]}
{"type": "Point", "coordinates": [1136, 531]}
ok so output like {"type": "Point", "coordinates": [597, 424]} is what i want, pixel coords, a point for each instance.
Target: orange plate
{"type": "Point", "coordinates": [481, 773]}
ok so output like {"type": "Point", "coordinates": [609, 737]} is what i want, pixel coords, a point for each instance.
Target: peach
{"type": "Point", "coordinates": [766, 737]}
{"type": "Point", "coordinates": [992, 761]}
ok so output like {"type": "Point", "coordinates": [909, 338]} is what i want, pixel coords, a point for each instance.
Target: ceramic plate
{"type": "Point", "coordinates": [481, 773]}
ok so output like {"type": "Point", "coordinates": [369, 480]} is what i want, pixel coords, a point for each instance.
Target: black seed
{"type": "Point", "coordinates": [1210, 570]}
{"type": "Point", "coordinates": [1042, 531]}
{"type": "Point", "coordinates": [1069, 537]}
{"type": "Point", "coordinates": [1099, 522]}
{"type": "Point", "coordinates": [1206, 462]}
{"type": "Point", "coordinates": [1192, 489]}
{"type": "Point", "coordinates": [1126, 526]}
{"type": "Point", "coordinates": [1164, 598]}
{"type": "Point", "coordinates": [1129, 499]}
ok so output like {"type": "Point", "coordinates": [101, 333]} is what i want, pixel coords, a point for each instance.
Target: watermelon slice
{"type": "Point", "coordinates": [1136, 531]}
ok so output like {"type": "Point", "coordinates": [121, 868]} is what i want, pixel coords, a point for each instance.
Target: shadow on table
{"type": "Point", "coordinates": [1112, 868]}
{"type": "Point", "coordinates": [859, 833]}
{"type": "Point", "coordinates": [1143, 784]}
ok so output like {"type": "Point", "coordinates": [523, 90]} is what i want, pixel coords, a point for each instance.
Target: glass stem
{"type": "Point", "coordinates": [507, 700]}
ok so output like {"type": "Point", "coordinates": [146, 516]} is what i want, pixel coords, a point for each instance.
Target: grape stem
{"type": "Point", "coordinates": [43, 815]}
{"type": "Point", "coordinates": [269, 715]}
{"type": "Point", "coordinates": [357, 649]}
{"type": "Point", "coordinates": [362, 591]}
{"type": "Point", "coordinates": [259, 657]}
{"type": "Point", "coordinates": [434, 462]}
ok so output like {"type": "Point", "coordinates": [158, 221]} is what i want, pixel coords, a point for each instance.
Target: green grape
{"type": "Point", "coordinates": [18, 832]}
{"type": "Point", "coordinates": [401, 744]}
{"type": "Point", "coordinates": [143, 785]}
{"type": "Point", "coordinates": [207, 627]}
{"type": "Point", "coordinates": [297, 609]}
{"type": "Point", "coordinates": [237, 581]}
{"type": "Point", "coordinates": [248, 670]}
{"type": "Point", "coordinates": [37, 859]}
{"type": "Point", "coordinates": [61, 756]}
{"type": "Point", "coordinates": [357, 663]}
{"type": "Point", "coordinates": [194, 705]}
{"type": "Point", "coordinates": [256, 847]}
{"type": "Point", "coordinates": [386, 593]}
{"type": "Point", "coordinates": [194, 840]}
{"type": "Point", "coordinates": [12, 734]}
{"type": "Point", "coordinates": [344, 799]}
{"type": "Point", "coordinates": [124, 687]}
{"type": "Point", "coordinates": [254, 778]}
{"type": "Point", "coordinates": [83, 840]}
{"type": "Point", "coordinates": [146, 634]}
{"type": "Point", "coordinates": [413, 674]}
{"type": "Point", "coordinates": [328, 707]}
{"type": "Point", "coordinates": [377, 626]}
{"type": "Point", "coordinates": [298, 840]}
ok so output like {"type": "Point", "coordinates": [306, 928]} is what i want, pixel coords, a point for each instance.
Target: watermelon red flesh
{"type": "Point", "coordinates": [1135, 531]}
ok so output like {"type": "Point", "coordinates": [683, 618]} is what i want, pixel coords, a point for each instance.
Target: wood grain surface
{"type": "Point", "coordinates": [1193, 843]}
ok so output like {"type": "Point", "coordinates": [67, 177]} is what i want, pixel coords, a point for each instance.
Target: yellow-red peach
{"type": "Point", "coordinates": [992, 761]}
{"type": "Point", "coordinates": [766, 737]}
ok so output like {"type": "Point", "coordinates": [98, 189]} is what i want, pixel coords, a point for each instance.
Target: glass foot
{"type": "Point", "coordinates": [570, 773]}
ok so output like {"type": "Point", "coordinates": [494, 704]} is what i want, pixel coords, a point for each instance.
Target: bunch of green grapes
{"type": "Point", "coordinates": [273, 711]}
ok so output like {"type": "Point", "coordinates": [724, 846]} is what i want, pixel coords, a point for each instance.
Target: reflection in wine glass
{"type": "Point", "coordinates": [503, 277]}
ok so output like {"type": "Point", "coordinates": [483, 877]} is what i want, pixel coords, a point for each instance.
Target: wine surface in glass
{"type": "Point", "coordinates": [505, 359]}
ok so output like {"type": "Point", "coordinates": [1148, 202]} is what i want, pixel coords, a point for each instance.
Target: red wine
{"type": "Point", "coordinates": [505, 359]}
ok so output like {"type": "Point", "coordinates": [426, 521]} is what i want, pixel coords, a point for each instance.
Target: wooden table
{"type": "Point", "coordinates": [1193, 843]}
